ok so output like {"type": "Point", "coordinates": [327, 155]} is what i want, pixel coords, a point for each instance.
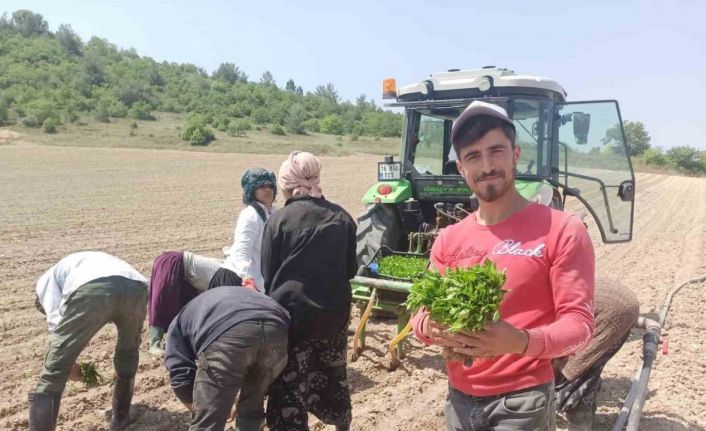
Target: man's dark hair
{"type": "Point", "coordinates": [477, 128]}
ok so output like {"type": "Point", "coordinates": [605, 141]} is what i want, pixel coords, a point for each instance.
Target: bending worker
{"type": "Point", "coordinates": [227, 340]}
{"type": "Point", "coordinates": [79, 295]}
{"type": "Point", "coordinates": [177, 278]}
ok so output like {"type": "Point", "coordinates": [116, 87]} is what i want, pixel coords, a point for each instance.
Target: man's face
{"type": "Point", "coordinates": [488, 165]}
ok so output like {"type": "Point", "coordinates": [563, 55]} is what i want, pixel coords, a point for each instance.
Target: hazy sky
{"type": "Point", "coordinates": [649, 55]}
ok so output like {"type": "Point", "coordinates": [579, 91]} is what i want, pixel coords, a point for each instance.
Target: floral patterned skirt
{"type": "Point", "coordinates": [314, 381]}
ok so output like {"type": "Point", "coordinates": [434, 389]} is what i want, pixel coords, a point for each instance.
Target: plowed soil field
{"type": "Point", "coordinates": [138, 203]}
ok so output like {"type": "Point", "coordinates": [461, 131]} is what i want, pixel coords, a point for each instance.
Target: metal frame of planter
{"type": "Point", "coordinates": [385, 294]}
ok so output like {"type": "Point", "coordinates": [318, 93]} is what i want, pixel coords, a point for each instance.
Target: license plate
{"type": "Point", "coordinates": [389, 171]}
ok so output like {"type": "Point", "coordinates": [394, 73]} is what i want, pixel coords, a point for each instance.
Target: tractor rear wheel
{"type": "Point", "coordinates": [379, 226]}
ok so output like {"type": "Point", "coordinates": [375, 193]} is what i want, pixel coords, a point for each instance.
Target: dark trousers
{"type": "Point", "coordinates": [224, 277]}
{"type": "Point", "coordinates": [93, 305]}
{"type": "Point", "coordinates": [246, 359]}
{"type": "Point", "coordinates": [530, 409]}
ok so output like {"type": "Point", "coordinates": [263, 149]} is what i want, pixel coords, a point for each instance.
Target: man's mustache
{"type": "Point", "coordinates": [492, 174]}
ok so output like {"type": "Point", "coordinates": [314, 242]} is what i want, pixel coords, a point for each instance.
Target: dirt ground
{"type": "Point", "coordinates": [138, 203]}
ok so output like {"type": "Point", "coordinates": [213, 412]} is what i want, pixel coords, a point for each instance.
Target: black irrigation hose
{"type": "Point", "coordinates": [651, 342]}
{"type": "Point", "coordinates": [635, 400]}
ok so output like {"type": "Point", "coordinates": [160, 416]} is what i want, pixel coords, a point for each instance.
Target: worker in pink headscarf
{"type": "Point", "coordinates": [299, 175]}
{"type": "Point", "coordinates": [308, 258]}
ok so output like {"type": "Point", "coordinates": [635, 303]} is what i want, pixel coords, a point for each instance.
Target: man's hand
{"type": "Point", "coordinates": [438, 334]}
{"type": "Point", "coordinates": [76, 375]}
{"type": "Point", "coordinates": [249, 283]}
{"type": "Point", "coordinates": [498, 338]}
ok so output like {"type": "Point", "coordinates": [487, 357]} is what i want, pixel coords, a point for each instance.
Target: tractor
{"type": "Point", "coordinates": [569, 150]}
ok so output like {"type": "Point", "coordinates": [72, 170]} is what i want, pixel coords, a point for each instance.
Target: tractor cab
{"type": "Point", "coordinates": [568, 149]}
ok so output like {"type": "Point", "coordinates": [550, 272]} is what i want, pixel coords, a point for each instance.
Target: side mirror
{"type": "Point", "coordinates": [626, 191]}
{"type": "Point", "coordinates": [582, 122]}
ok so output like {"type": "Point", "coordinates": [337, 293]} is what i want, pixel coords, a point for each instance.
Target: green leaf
{"type": "Point", "coordinates": [463, 299]}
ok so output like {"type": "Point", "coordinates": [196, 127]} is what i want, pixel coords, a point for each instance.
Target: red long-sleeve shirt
{"type": "Point", "coordinates": [550, 266]}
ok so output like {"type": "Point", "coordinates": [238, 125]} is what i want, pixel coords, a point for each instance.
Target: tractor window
{"type": "Point", "coordinates": [532, 123]}
{"type": "Point", "coordinates": [593, 163]}
{"type": "Point", "coordinates": [429, 154]}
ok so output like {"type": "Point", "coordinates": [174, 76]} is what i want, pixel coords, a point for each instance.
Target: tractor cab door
{"type": "Point", "coordinates": [592, 164]}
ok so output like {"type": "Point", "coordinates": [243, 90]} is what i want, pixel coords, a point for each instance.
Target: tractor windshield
{"type": "Point", "coordinates": [429, 151]}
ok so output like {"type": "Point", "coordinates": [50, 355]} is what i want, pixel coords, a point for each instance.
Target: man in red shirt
{"type": "Point", "coordinates": [547, 310]}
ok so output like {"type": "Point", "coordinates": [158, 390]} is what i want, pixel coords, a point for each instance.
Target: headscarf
{"type": "Point", "coordinates": [252, 180]}
{"type": "Point", "coordinates": [300, 173]}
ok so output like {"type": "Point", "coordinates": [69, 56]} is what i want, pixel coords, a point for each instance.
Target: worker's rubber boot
{"type": "Point", "coordinates": [580, 418]}
{"type": "Point", "coordinates": [43, 411]}
{"type": "Point", "coordinates": [156, 334]}
{"type": "Point", "coordinates": [343, 427]}
{"type": "Point", "coordinates": [122, 397]}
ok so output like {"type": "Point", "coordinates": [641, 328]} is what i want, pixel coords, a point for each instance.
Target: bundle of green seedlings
{"type": "Point", "coordinates": [401, 266]}
{"type": "Point", "coordinates": [463, 299]}
{"type": "Point", "coordinates": [89, 374]}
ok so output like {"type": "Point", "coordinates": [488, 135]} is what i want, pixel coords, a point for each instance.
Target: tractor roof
{"type": "Point", "coordinates": [489, 81]}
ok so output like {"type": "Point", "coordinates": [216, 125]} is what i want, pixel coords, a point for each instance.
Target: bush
{"type": "Point", "coordinates": [118, 110]}
{"type": "Point", "coordinates": [141, 111]}
{"type": "Point", "coordinates": [655, 158]}
{"type": "Point", "coordinates": [69, 117]}
{"type": "Point", "coordinates": [49, 125]}
{"type": "Point", "coordinates": [4, 113]}
{"type": "Point", "coordinates": [295, 119]}
{"type": "Point", "coordinates": [41, 110]}
{"type": "Point", "coordinates": [101, 113]}
{"type": "Point", "coordinates": [239, 127]}
{"type": "Point", "coordinates": [312, 125]}
{"type": "Point", "coordinates": [30, 121]}
{"type": "Point", "coordinates": [220, 122]}
{"type": "Point", "coordinates": [332, 124]}
{"type": "Point", "coordinates": [687, 159]}
{"type": "Point", "coordinates": [277, 130]}
{"type": "Point", "coordinates": [201, 136]}
{"type": "Point", "coordinates": [261, 116]}
{"type": "Point", "coordinates": [169, 106]}
{"type": "Point", "coordinates": [196, 131]}
{"type": "Point", "coordinates": [354, 137]}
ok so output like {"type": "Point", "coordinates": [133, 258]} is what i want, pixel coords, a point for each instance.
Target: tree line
{"type": "Point", "coordinates": [683, 158]}
{"type": "Point", "coordinates": [49, 78]}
